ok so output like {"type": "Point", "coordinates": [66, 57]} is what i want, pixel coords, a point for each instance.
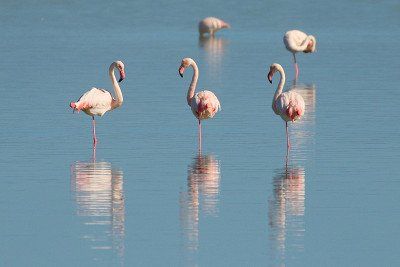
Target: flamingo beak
{"type": "Point", "coordinates": [121, 75]}
{"type": "Point", "coordinates": [181, 71]}
{"type": "Point", "coordinates": [270, 74]}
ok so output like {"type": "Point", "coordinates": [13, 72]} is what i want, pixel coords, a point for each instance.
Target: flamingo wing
{"type": "Point", "coordinates": [293, 40]}
{"type": "Point", "coordinates": [95, 101]}
{"type": "Point", "coordinates": [290, 105]}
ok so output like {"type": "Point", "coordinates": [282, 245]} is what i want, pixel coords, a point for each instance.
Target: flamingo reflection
{"type": "Point", "coordinates": [286, 211]}
{"type": "Point", "coordinates": [202, 195]}
{"type": "Point", "coordinates": [214, 48]}
{"type": "Point", "coordinates": [99, 196]}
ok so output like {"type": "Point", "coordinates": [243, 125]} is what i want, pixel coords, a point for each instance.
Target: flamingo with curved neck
{"type": "Point", "coordinates": [204, 104]}
{"type": "Point", "coordinates": [289, 105]}
{"type": "Point", "coordinates": [298, 41]}
{"type": "Point", "coordinates": [98, 101]}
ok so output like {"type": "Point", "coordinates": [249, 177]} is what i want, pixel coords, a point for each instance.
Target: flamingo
{"type": "Point", "coordinates": [211, 25]}
{"type": "Point", "coordinates": [98, 101]}
{"type": "Point", "coordinates": [204, 104]}
{"type": "Point", "coordinates": [289, 105]}
{"type": "Point", "coordinates": [298, 41]}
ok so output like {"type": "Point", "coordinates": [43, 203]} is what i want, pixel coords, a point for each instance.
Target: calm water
{"type": "Point", "coordinates": [150, 198]}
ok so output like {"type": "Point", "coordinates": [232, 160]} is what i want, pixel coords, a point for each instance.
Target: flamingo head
{"type": "Point", "coordinates": [272, 69]}
{"type": "Point", "coordinates": [312, 43]}
{"type": "Point", "coordinates": [186, 62]}
{"type": "Point", "coordinates": [121, 68]}
{"type": "Point", "coordinates": [225, 25]}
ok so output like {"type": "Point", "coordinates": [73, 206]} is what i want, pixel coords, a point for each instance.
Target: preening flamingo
{"type": "Point", "coordinates": [211, 25]}
{"type": "Point", "coordinates": [289, 105]}
{"type": "Point", "coordinates": [204, 104]}
{"type": "Point", "coordinates": [98, 101]}
{"type": "Point", "coordinates": [298, 41]}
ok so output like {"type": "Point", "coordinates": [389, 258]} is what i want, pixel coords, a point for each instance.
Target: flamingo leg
{"type": "Point", "coordinates": [296, 67]}
{"type": "Point", "coordinates": [94, 132]}
{"type": "Point", "coordinates": [287, 137]}
{"type": "Point", "coordinates": [199, 135]}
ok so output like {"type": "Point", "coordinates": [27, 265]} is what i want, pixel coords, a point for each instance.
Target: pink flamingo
{"type": "Point", "coordinates": [204, 104]}
{"type": "Point", "coordinates": [99, 101]}
{"type": "Point", "coordinates": [297, 41]}
{"type": "Point", "coordinates": [211, 25]}
{"type": "Point", "coordinates": [289, 105]}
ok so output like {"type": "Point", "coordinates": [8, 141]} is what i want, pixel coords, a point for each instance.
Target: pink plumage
{"type": "Point", "coordinates": [204, 104]}
{"type": "Point", "coordinates": [289, 105]}
{"type": "Point", "coordinates": [99, 101]}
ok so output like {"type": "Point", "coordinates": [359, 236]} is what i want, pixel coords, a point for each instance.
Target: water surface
{"type": "Point", "coordinates": [149, 197]}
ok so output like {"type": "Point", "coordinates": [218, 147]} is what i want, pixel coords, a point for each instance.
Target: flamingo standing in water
{"type": "Point", "coordinates": [98, 101]}
{"type": "Point", "coordinates": [204, 104]}
{"type": "Point", "coordinates": [211, 25]}
{"type": "Point", "coordinates": [297, 41]}
{"type": "Point", "coordinates": [289, 105]}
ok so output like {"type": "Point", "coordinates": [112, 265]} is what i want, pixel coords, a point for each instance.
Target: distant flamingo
{"type": "Point", "coordinates": [204, 104]}
{"type": "Point", "coordinates": [289, 105]}
{"type": "Point", "coordinates": [99, 101]}
{"type": "Point", "coordinates": [297, 41]}
{"type": "Point", "coordinates": [211, 25]}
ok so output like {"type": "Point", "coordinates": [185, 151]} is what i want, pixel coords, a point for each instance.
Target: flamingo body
{"type": "Point", "coordinates": [289, 105]}
{"type": "Point", "coordinates": [94, 102]}
{"type": "Point", "coordinates": [211, 25]}
{"type": "Point", "coordinates": [298, 41]}
{"type": "Point", "coordinates": [205, 105]}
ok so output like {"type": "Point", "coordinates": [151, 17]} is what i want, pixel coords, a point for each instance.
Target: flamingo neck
{"type": "Point", "coordinates": [193, 83]}
{"type": "Point", "coordinates": [281, 83]}
{"type": "Point", "coordinates": [117, 90]}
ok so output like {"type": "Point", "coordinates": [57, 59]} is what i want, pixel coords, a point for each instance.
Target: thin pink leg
{"type": "Point", "coordinates": [94, 132]}
{"type": "Point", "coordinates": [296, 67]}
{"type": "Point", "coordinates": [287, 137]}
{"type": "Point", "coordinates": [199, 135]}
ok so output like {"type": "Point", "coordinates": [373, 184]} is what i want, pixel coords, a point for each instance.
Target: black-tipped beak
{"type": "Point", "coordinates": [181, 71]}
{"type": "Point", "coordinates": [121, 76]}
{"type": "Point", "coordinates": [270, 77]}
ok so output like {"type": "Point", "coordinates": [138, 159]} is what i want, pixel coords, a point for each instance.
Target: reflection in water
{"type": "Point", "coordinates": [100, 202]}
{"type": "Point", "coordinates": [214, 48]}
{"type": "Point", "coordinates": [202, 193]}
{"type": "Point", "coordinates": [286, 211]}
{"type": "Point", "coordinates": [303, 130]}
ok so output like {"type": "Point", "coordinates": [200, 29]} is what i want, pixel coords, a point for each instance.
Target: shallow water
{"type": "Point", "coordinates": [150, 198]}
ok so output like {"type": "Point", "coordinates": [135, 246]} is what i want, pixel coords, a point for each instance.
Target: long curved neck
{"type": "Point", "coordinates": [193, 83]}
{"type": "Point", "coordinates": [281, 84]}
{"type": "Point", "coordinates": [117, 90]}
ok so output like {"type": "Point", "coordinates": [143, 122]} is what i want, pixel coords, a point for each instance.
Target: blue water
{"type": "Point", "coordinates": [149, 198]}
